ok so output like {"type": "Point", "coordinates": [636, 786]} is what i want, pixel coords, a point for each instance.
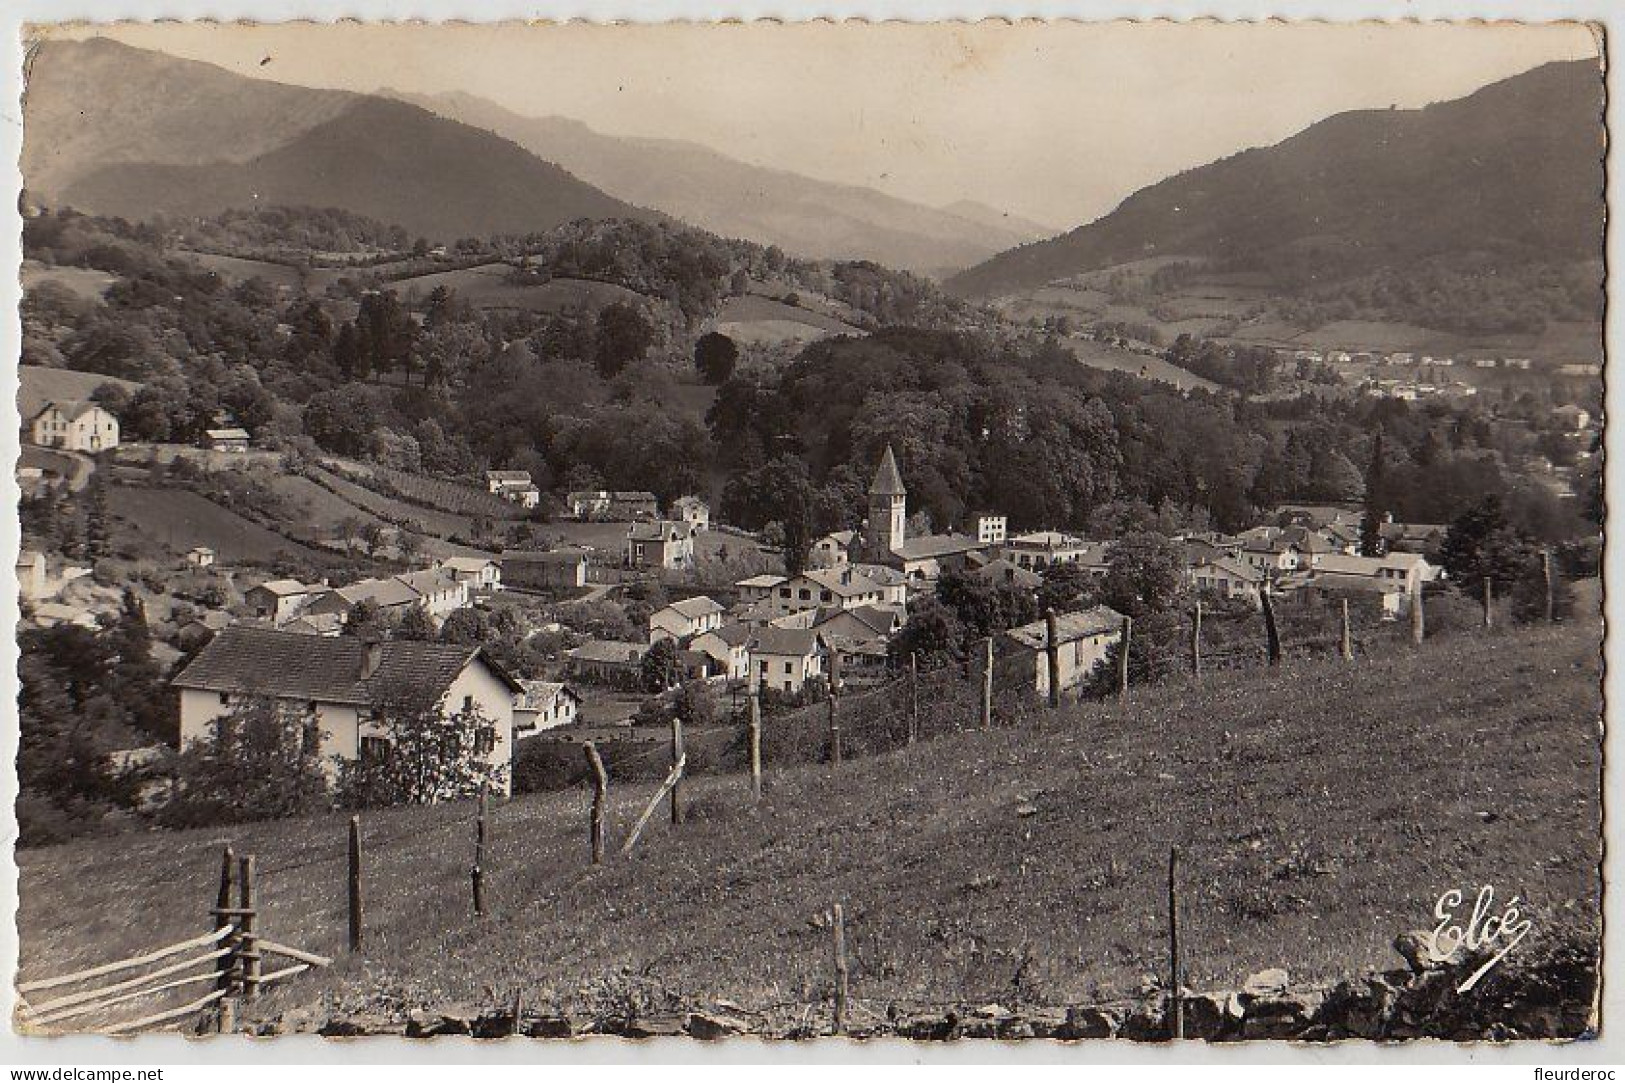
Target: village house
{"type": "Point", "coordinates": [543, 705]}
{"type": "Point", "coordinates": [587, 504]}
{"type": "Point", "coordinates": [202, 628]}
{"type": "Point", "coordinates": [606, 661]}
{"type": "Point", "coordinates": [479, 575]}
{"type": "Point", "coordinates": [1039, 549]}
{"type": "Point", "coordinates": [863, 624]}
{"type": "Point", "coordinates": [234, 441]}
{"type": "Point", "coordinates": [514, 486]}
{"type": "Point", "coordinates": [31, 577]}
{"type": "Point", "coordinates": [439, 592]}
{"type": "Point", "coordinates": [660, 544]}
{"type": "Point", "coordinates": [391, 596]}
{"type": "Point", "coordinates": [987, 527]}
{"type": "Point", "coordinates": [1082, 638]}
{"type": "Point", "coordinates": [833, 549]}
{"type": "Point", "coordinates": [75, 425]}
{"type": "Point", "coordinates": [758, 589]}
{"type": "Point", "coordinates": [683, 619]}
{"type": "Point", "coordinates": [1265, 549]}
{"type": "Point", "coordinates": [893, 584]}
{"type": "Point", "coordinates": [1402, 572]}
{"type": "Point", "coordinates": [693, 511]}
{"type": "Point", "coordinates": [634, 505]}
{"type": "Point", "coordinates": [1004, 572]}
{"type": "Point", "coordinates": [277, 600]}
{"type": "Point", "coordinates": [200, 556]}
{"type": "Point", "coordinates": [336, 689]}
{"type": "Point", "coordinates": [728, 648]}
{"type": "Point", "coordinates": [784, 659]}
{"type": "Point", "coordinates": [1229, 577]}
{"type": "Point", "coordinates": [1411, 537]}
{"type": "Point", "coordinates": [552, 569]}
{"type": "Point", "coordinates": [819, 587]}
{"type": "Point", "coordinates": [885, 537]}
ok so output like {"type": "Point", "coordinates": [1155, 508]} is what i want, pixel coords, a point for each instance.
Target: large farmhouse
{"type": "Point", "coordinates": [336, 686]}
{"type": "Point", "coordinates": [75, 426]}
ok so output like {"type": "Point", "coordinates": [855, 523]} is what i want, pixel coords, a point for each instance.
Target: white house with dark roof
{"type": "Point", "coordinates": [75, 425]}
{"type": "Point", "coordinates": [663, 543]}
{"type": "Point", "coordinates": [1083, 638]}
{"type": "Point", "coordinates": [784, 659]}
{"type": "Point", "coordinates": [544, 705]}
{"type": "Point", "coordinates": [277, 600]}
{"type": "Point", "coordinates": [728, 648]}
{"type": "Point", "coordinates": [758, 589]}
{"type": "Point", "coordinates": [1228, 576]}
{"type": "Point", "coordinates": [841, 587]}
{"type": "Point", "coordinates": [480, 575]}
{"type": "Point", "coordinates": [693, 511]}
{"type": "Point", "coordinates": [684, 619]}
{"type": "Point", "coordinates": [336, 691]}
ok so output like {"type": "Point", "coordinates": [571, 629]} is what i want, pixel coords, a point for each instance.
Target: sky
{"type": "Point", "coordinates": [1055, 122]}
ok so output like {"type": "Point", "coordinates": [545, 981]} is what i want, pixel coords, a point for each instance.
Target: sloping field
{"type": "Point", "coordinates": [1320, 809]}
{"type": "Point", "coordinates": [488, 286]}
{"type": "Point", "coordinates": [86, 283]}
{"type": "Point", "coordinates": [178, 519]}
{"type": "Point", "coordinates": [235, 269]}
{"type": "Point", "coordinates": [37, 385]}
{"type": "Point", "coordinates": [1100, 356]}
{"type": "Point", "coordinates": [758, 319]}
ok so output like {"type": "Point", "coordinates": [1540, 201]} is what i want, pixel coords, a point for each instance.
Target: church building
{"type": "Point", "coordinates": [884, 539]}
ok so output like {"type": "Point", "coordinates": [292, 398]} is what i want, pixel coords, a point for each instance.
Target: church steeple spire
{"type": "Point", "coordinates": [888, 509]}
{"type": "Point", "coordinates": [888, 482]}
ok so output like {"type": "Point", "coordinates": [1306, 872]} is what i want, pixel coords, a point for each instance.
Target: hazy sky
{"type": "Point", "coordinates": [1056, 122]}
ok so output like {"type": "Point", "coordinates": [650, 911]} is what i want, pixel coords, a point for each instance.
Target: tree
{"type": "Point", "coordinates": [1066, 586]}
{"type": "Point", "coordinates": [341, 420]}
{"type": "Point", "coordinates": [96, 528]}
{"type": "Point", "coordinates": [622, 337]}
{"type": "Point", "coordinates": [715, 356]}
{"type": "Point", "coordinates": [658, 671]}
{"type": "Point", "coordinates": [424, 754]}
{"type": "Point", "coordinates": [933, 633]}
{"type": "Point", "coordinates": [364, 620]}
{"type": "Point", "coordinates": [467, 627]}
{"type": "Point", "coordinates": [1376, 506]}
{"type": "Point", "coordinates": [415, 624]}
{"type": "Point", "coordinates": [262, 762]}
{"type": "Point", "coordinates": [1145, 574]}
{"type": "Point", "coordinates": [1481, 544]}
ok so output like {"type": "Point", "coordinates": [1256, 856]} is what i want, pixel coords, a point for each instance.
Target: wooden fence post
{"type": "Point", "coordinates": [1418, 615]}
{"type": "Point", "coordinates": [1124, 639]}
{"type": "Point", "coordinates": [755, 746]}
{"type": "Point", "coordinates": [834, 731]}
{"type": "Point", "coordinates": [913, 695]}
{"type": "Point", "coordinates": [838, 925]}
{"type": "Point", "coordinates": [355, 883]}
{"type": "Point", "coordinates": [677, 755]}
{"type": "Point", "coordinates": [600, 794]}
{"type": "Point", "coordinates": [1176, 977]}
{"type": "Point", "coordinates": [1196, 641]}
{"type": "Point", "coordinates": [1052, 652]}
{"type": "Point", "coordinates": [249, 948]}
{"type": "Point", "coordinates": [987, 683]}
{"type": "Point", "coordinates": [476, 872]}
{"type": "Point", "coordinates": [1346, 643]}
{"type": "Point", "coordinates": [1272, 634]}
{"type": "Point", "coordinates": [1489, 602]}
{"type": "Point", "coordinates": [1551, 586]}
{"type": "Point", "coordinates": [226, 965]}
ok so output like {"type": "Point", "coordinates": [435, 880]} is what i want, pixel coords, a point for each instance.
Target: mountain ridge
{"type": "Point", "coordinates": [1506, 168]}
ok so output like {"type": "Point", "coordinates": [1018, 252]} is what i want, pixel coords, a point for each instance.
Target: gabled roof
{"type": "Point", "coordinates": [428, 581]}
{"type": "Point", "coordinates": [878, 620]}
{"type": "Point", "coordinates": [888, 482]}
{"type": "Point", "coordinates": [72, 409]}
{"type": "Point", "coordinates": [881, 575]}
{"type": "Point", "coordinates": [766, 582]}
{"type": "Point", "coordinates": [632, 494]}
{"type": "Point", "coordinates": [609, 650]}
{"type": "Point", "coordinates": [1098, 620]}
{"type": "Point", "coordinates": [287, 665]}
{"type": "Point", "coordinates": [467, 564]}
{"type": "Point", "coordinates": [689, 502]}
{"type": "Point", "coordinates": [383, 593]}
{"type": "Point", "coordinates": [734, 634]}
{"type": "Point", "coordinates": [1003, 571]}
{"type": "Point", "coordinates": [226, 434]}
{"type": "Point", "coordinates": [842, 538]}
{"type": "Point", "coordinates": [540, 556]}
{"type": "Point", "coordinates": [1233, 568]}
{"type": "Point", "coordinates": [284, 587]}
{"type": "Point", "coordinates": [539, 694]}
{"type": "Point", "coordinates": [516, 477]}
{"type": "Point", "coordinates": [696, 608]}
{"type": "Point", "coordinates": [793, 642]}
{"type": "Point", "coordinates": [842, 581]}
{"type": "Point", "coordinates": [937, 545]}
{"type": "Point", "coordinates": [659, 529]}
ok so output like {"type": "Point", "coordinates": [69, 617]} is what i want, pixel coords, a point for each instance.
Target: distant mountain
{"type": "Point", "coordinates": [705, 188]}
{"type": "Point", "coordinates": [1515, 170]}
{"type": "Point", "coordinates": [112, 129]}
{"type": "Point", "coordinates": [992, 216]}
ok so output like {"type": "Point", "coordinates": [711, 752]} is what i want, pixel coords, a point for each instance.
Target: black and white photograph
{"type": "Point", "coordinates": [1009, 533]}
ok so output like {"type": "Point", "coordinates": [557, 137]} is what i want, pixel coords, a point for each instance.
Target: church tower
{"type": "Point", "coordinates": [888, 507]}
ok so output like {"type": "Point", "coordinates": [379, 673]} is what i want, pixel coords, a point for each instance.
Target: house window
{"type": "Point", "coordinates": [823, 595]}
{"type": "Point", "coordinates": [805, 594]}
{"type": "Point", "coordinates": [468, 704]}
{"type": "Point", "coordinates": [225, 698]}
{"type": "Point", "coordinates": [374, 749]}
{"type": "Point", "coordinates": [788, 668]}
{"type": "Point", "coordinates": [784, 592]}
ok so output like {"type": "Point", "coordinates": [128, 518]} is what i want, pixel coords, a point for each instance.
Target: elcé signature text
{"type": "Point", "coordinates": [1500, 932]}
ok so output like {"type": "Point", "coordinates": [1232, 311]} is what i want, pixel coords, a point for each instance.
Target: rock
{"type": "Point", "coordinates": [655, 1026]}
{"type": "Point", "coordinates": [710, 1028]}
{"type": "Point", "coordinates": [991, 1011]}
{"type": "Point", "coordinates": [929, 1028]}
{"type": "Point", "coordinates": [1266, 983]}
{"type": "Point", "coordinates": [1044, 1024]}
{"type": "Point", "coordinates": [1147, 1023]}
{"type": "Point", "coordinates": [1278, 1017]}
{"type": "Point", "coordinates": [548, 1026]}
{"type": "Point", "coordinates": [1204, 1015]}
{"type": "Point", "coordinates": [1087, 1023]}
{"type": "Point", "coordinates": [1416, 948]}
{"type": "Point", "coordinates": [358, 1026]}
{"type": "Point", "coordinates": [433, 1022]}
